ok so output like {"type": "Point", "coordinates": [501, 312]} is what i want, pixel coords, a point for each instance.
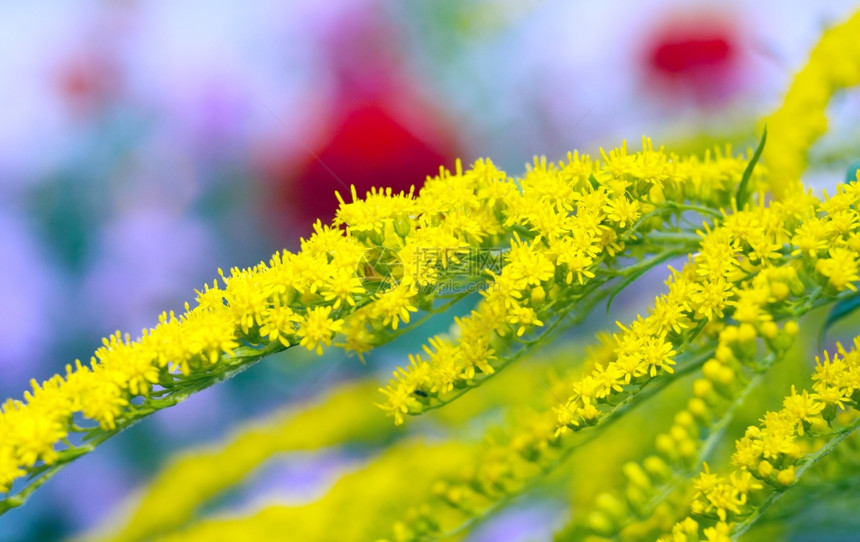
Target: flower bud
{"type": "Point", "coordinates": [769, 330]}
{"type": "Point", "coordinates": [538, 295]}
{"type": "Point", "coordinates": [599, 523]}
{"type": "Point", "coordinates": [700, 410]}
{"type": "Point", "coordinates": [611, 505]}
{"type": "Point", "coordinates": [402, 226]}
{"type": "Point", "coordinates": [779, 290]}
{"type": "Point", "coordinates": [711, 369]}
{"type": "Point", "coordinates": [636, 475]}
{"type": "Point", "coordinates": [765, 469]}
{"type": "Point", "coordinates": [786, 477]}
{"type": "Point", "coordinates": [657, 468]}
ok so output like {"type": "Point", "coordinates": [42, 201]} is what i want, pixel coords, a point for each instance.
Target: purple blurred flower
{"type": "Point", "coordinates": [526, 524]}
{"type": "Point", "coordinates": [30, 290]}
{"type": "Point", "coordinates": [100, 483]}
{"type": "Point", "coordinates": [204, 415]}
{"type": "Point", "coordinates": [295, 478]}
{"type": "Point", "coordinates": [148, 260]}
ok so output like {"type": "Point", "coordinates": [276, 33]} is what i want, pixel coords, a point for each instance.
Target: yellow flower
{"type": "Point", "coordinates": [669, 314]}
{"type": "Point", "coordinates": [210, 334]}
{"type": "Point", "coordinates": [169, 342]}
{"type": "Point", "coordinates": [802, 407]}
{"type": "Point", "coordinates": [657, 355]}
{"type": "Point", "coordinates": [132, 365]}
{"type": "Point", "coordinates": [279, 324]}
{"type": "Point", "coordinates": [357, 337]}
{"type": "Point", "coordinates": [709, 298]}
{"type": "Point", "coordinates": [10, 467]}
{"type": "Point", "coordinates": [577, 260]}
{"type": "Point", "coordinates": [840, 268]}
{"type": "Point", "coordinates": [30, 433]}
{"type": "Point", "coordinates": [309, 272]}
{"type": "Point", "coordinates": [607, 380]}
{"type": "Point", "coordinates": [811, 237]}
{"type": "Point", "coordinates": [444, 368]}
{"type": "Point", "coordinates": [523, 317]}
{"type": "Point", "coordinates": [102, 400]}
{"type": "Point", "coordinates": [371, 214]}
{"type": "Point", "coordinates": [317, 328]}
{"type": "Point", "coordinates": [528, 265]}
{"type": "Point", "coordinates": [333, 245]}
{"type": "Point", "coordinates": [342, 287]}
{"type": "Point", "coordinates": [721, 532]}
{"type": "Point", "coordinates": [394, 306]}
{"type": "Point", "coordinates": [245, 297]}
{"type": "Point", "coordinates": [622, 211]}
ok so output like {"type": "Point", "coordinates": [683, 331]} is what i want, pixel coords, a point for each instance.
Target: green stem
{"type": "Point", "coordinates": [674, 237]}
{"type": "Point", "coordinates": [708, 211]}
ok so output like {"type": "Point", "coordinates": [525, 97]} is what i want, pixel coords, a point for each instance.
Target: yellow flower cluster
{"type": "Point", "coordinates": [272, 305]}
{"type": "Point", "coordinates": [294, 299]}
{"type": "Point", "coordinates": [780, 246]}
{"type": "Point", "coordinates": [753, 305]}
{"type": "Point", "coordinates": [649, 502]}
{"type": "Point", "coordinates": [774, 454]}
{"type": "Point", "coordinates": [802, 117]}
{"type": "Point", "coordinates": [385, 256]}
{"type": "Point", "coordinates": [542, 250]}
{"type": "Point", "coordinates": [748, 275]}
{"type": "Point", "coordinates": [565, 225]}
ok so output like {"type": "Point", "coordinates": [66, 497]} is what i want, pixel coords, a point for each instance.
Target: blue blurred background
{"type": "Point", "coordinates": [143, 145]}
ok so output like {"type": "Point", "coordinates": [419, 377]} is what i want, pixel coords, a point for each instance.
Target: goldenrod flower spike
{"type": "Point", "coordinates": [563, 228]}
{"type": "Point", "coordinates": [770, 458]}
{"type": "Point", "coordinates": [258, 311]}
{"type": "Point", "coordinates": [729, 313]}
{"type": "Point", "coordinates": [801, 119]}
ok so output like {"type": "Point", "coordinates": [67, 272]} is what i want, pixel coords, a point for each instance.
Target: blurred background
{"type": "Point", "coordinates": [143, 145]}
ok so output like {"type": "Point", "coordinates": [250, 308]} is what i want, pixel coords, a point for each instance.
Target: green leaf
{"type": "Point", "coordinates": [630, 279]}
{"type": "Point", "coordinates": [839, 311]}
{"type": "Point", "coordinates": [743, 190]}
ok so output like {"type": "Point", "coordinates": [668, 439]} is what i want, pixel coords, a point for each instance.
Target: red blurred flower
{"type": "Point", "coordinates": [86, 81]}
{"type": "Point", "coordinates": [697, 55]}
{"type": "Point", "coordinates": [378, 131]}
{"type": "Point", "coordinates": [367, 146]}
